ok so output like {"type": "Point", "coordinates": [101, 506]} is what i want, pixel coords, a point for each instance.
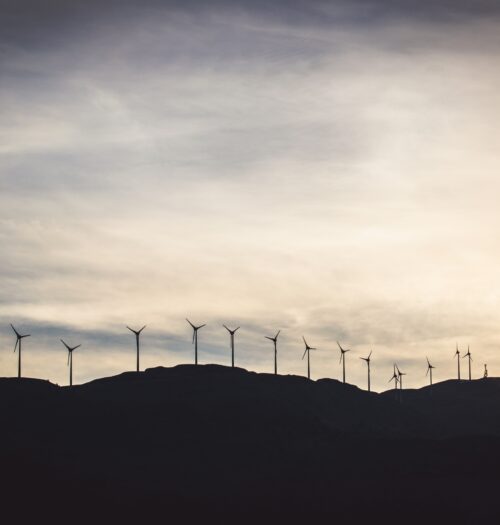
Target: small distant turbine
{"type": "Point", "coordinates": [343, 352]}
{"type": "Point", "coordinates": [308, 351]}
{"type": "Point", "coordinates": [394, 378]}
{"type": "Point", "coordinates": [367, 360]}
{"type": "Point", "coordinates": [195, 338]}
{"type": "Point", "coordinates": [137, 335]}
{"type": "Point", "coordinates": [19, 343]}
{"type": "Point", "coordinates": [70, 360]}
{"type": "Point", "coordinates": [400, 377]}
{"type": "Point", "coordinates": [457, 355]}
{"type": "Point", "coordinates": [468, 354]}
{"type": "Point", "coordinates": [430, 368]}
{"type": "Point", "coordinates": [275, 341]}
{"type": "Point", "coordinates": [231, 335]}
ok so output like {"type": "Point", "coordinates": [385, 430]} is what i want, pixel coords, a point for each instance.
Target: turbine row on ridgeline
{"type": "Point", "coordinates": [397, 375]}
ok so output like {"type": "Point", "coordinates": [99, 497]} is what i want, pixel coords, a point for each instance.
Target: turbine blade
{"type": "Point", "coordinates": [142, 328]}
{"type": "Point", "coordinates": [236, 329]}
{"type": "Point", "coordinates": [189, 322]}
{"type": "Point", "coordinates": [75, 347]}
{"type": "Point", "coordinates": [305, 352]}
{"type": "Point", "coordinates": [65, 344]}
{"type": "Point", "coordinates": [370, 354]}
{"type": "Point", "coordinates": [276, 336]}
{"type": "Point", "coordinates": [201, 326]}
{"type": "Point", "coordinates": [15, 331]}
{"type": "Point", "coordinates": [15, 346]}
{"type": "Point", "coordinates": [305, 342]}
{"type": "Point", "coordinates": [226, 328]}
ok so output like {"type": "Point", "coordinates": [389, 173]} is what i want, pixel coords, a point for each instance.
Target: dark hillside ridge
{"type": "Point", "coordinates": [208, 441]}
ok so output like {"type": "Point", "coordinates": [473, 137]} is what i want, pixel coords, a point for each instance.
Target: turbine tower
{"type": "Point", "coordinates": [367, 360]}
{"type": "Point", "coordinates": [343, 351]}
{"type": "Point", "coordinates": [137, 335]}
{"type": "Point", "coordinates": [275, 341]}
{"type": "Point", "coordinates": [468, 354]}
{"type": "Point", "coordinates": [429, 370]}
{"type": "Point", "coordinates": [18, 343]}
{"type": "Point", "coordinates": [70, 360]}
{"type": "Point", "coordinates": [400, 377]}
{"type": "Point", "coordinates": [457, 355]}
{"type": "Point", "coordinates": [195, 338]}
{"type": "Point", "coordinates": [308, 351]}
{"type": "Point", "coordinates": [231, 335]}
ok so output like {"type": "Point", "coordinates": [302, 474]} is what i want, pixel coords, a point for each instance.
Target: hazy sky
{"type": "Point", "coordinates": [330, 169]}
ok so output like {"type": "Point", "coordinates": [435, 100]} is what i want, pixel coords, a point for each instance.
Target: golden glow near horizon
{"type": "Point", "coordinates": [338, 182]}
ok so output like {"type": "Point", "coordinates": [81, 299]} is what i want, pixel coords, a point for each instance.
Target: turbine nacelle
{"type": "Point", "coordinates": [232, 332]}
{"type": "Point", "coordinates": [69, 348]}
{"type": "Point", "coordinates": [394, 377]}
{"type": "Point", "coordinates": [367, 359]}
{"type": "Point", "coordinates": [136, 332]}
{"type": "Point", "coordinates": [18, 337]}
{"type": "Point", "coordinates": [343, 351]}
{"type": "Point", "coordinates": [308, 348]}
{"type": "Point", "coordinates": [195, 328]}
{"type": "Point", "coordinates": [275, 338]}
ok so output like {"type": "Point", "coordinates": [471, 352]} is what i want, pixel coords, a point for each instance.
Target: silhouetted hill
{"type": "Point", "coordinates": [212, 442]}
{"type": "Point", "coordinates": [457, 408]}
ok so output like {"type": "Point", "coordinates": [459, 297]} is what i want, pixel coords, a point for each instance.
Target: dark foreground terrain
{"type": "Point", "coordinates": [212, 444]}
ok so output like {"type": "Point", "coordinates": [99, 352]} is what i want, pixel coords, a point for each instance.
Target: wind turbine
{"type": "Point", "coordinates": [429, 370]}
{"type": "Point", "coordinates": [468, 354]}
{"type": "Point", "coordinates": [343, 351]}
{"type": "Point", "coordinates": [394, 378]}
{"type": "Point", "coordinates": [308, 351]}
{"type": "Point", "coordinates": [275, 341]}
{"type": "Point", "coordinates": [231, 335]}
{"type": "Point", "coordinates": [457, 355]}
{"type": "Point", "coordinates": [195, 338]}
{"type": "Point", "coordinates": [137, 335]}
{"type": "Point", "coordinates": [367, 360]}
{"type": "Point", "coordinates": [400, 377]}
{"type": "Point", "coordinates": [70, 360]}
{"type": "Point", "coordinates": [18, 343]}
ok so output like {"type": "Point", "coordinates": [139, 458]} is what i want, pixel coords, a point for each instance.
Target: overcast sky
{"type": "Point", "coordinates": [329, 169]}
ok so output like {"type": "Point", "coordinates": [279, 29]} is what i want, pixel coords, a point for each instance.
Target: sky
{"type": "Point", "coordinates": [327, 169]}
